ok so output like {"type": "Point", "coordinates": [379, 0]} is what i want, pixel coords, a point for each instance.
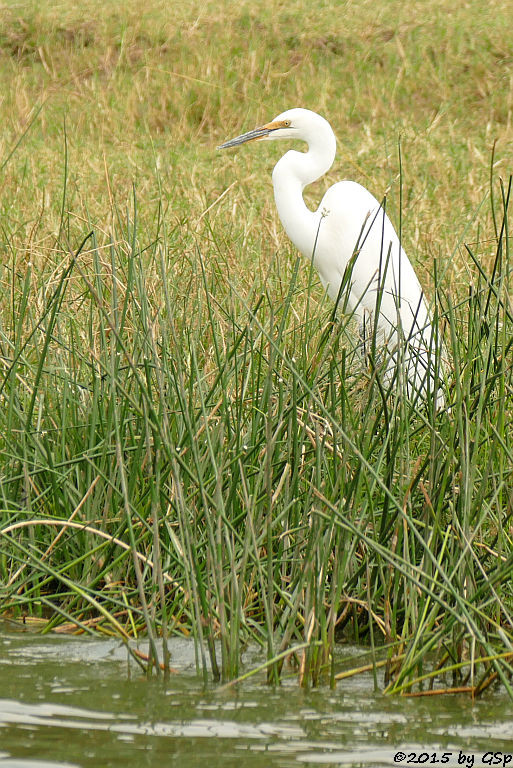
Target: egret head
{"type": "Point", "coordinates": [289, 125]}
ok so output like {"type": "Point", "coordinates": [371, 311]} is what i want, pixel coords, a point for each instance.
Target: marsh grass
{"type": "Point", "coordinates": [190, 442]}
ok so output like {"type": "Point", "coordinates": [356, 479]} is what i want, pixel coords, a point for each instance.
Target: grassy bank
{"type": "Point", "coordinates": [188, 441]}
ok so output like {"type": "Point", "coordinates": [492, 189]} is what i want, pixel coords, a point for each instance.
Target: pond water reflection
{"type": "Point", "coordinates": [67, 701]}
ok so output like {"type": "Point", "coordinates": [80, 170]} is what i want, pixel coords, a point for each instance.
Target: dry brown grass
{"type": "Point", "coordinates": [159, 85]}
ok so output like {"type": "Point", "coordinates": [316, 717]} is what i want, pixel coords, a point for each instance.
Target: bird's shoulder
{"type": "Point", "coordinates": [350, 191]}
{"type": "Point", "coordinates": [347, 200]}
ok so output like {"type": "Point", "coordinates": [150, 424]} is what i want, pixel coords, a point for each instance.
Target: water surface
{"type": "Point", "coordinates": [78, 702]}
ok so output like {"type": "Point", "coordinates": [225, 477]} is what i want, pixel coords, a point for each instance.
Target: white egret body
{"type": "Point", "coordinates": [380, 284]}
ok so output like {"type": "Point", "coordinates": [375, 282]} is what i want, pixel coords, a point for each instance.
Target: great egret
{"type": "Point", "coordinates": [354, 247]}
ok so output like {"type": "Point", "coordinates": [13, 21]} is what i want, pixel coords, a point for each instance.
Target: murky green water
{"type": "Point", "coordinates": [77, 702]}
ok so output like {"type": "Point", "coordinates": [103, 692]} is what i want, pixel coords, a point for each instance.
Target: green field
{"type": "Point", "coordinates": [188, 442]}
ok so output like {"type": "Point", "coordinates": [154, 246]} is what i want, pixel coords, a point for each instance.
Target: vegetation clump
{"type": "Point", "coordinates": [189, 440]}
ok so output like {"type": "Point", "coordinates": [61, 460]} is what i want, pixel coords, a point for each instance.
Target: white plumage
{"type": "Point", "coordinates": [380, 283]}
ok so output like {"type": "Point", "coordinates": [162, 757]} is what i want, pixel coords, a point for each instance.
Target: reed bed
{"type": "Point", "coordinates": [190, 440]}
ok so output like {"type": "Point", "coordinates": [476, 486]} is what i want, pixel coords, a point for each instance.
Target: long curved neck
{"type": "Point", "coordinates": [291, 174]}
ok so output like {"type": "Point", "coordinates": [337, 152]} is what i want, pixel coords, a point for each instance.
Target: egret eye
{"type": "Point", "coordinates": [286, 123]}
